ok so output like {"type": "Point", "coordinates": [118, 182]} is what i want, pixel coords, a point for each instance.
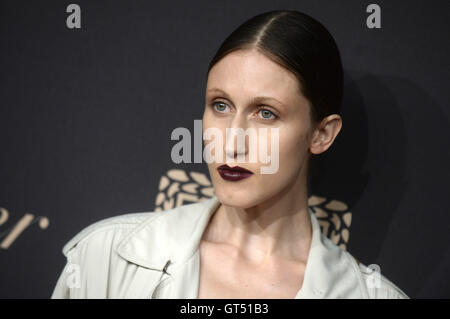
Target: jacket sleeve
{"type": "Point", "coordinates": [68, 279]}
{"type": "Point", "coordinates": [90, 260]}
{"type": "Point", "coordinates": [93, 269]}
{"type": "Point", "coordinates": [61, 290]}
{"type": "Point", "coordinates": [378, 286]}
{"type": "Point", "coordinates": [386, 290]}
{"type": "Point", "coordinates": [389, 290]}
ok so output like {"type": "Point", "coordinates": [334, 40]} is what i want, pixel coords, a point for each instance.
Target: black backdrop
{"type": "Point", "coordinates": [86, 116]}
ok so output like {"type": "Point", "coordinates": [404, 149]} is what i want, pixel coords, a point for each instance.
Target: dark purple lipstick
{"type": "Point", "coordinates": [233, 174]}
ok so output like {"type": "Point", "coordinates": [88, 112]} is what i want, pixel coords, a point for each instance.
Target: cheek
{"type": "Point", "coordinates": [211, 120]}
{"type": "Point", "coordinates": [213, 132]}
{"type": "Point", "coordinates": [205, 120]}
{"type": "Point", "coordinates": [207, 123]}
{"type": "Point", "coordinates": [292, 149]}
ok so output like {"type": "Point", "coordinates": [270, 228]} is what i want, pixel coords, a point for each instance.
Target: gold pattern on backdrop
{"type": "Point", "coordinates": [8, 236]}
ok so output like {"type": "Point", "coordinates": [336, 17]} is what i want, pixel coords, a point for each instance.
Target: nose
{"type": "Point", "coordinates": [236, 145]}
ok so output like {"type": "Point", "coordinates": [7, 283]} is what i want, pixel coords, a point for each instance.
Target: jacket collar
{"type": "Point", "coordinates": [175, 235]}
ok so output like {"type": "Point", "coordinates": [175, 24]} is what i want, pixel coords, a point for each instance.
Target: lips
{"type": "Point", "coordinates": [235, 173]}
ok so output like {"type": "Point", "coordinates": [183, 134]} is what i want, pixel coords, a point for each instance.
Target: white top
{"type": "Point", "coordinates": [125, 256]}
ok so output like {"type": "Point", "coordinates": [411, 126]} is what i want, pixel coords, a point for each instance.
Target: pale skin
{"type": "Point", "coordinates": [256, 245]}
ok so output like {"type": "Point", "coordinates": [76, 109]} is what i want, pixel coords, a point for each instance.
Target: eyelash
{"type": "Point", "coordinates": [213, 104]}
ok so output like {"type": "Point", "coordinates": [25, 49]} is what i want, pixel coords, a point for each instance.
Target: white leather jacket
{"type": "Point", "coordinates": [156, 255]}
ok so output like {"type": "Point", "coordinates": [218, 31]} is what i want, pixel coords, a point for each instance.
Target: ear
{"type": "Point", "coordinates": [325, 133]}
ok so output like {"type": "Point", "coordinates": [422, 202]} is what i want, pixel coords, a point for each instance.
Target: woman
{"type": "Point", "coordinates": [256, 238]}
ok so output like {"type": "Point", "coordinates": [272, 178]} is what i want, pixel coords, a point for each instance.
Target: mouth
{"type": "Point", "coordinates": [233, 174]}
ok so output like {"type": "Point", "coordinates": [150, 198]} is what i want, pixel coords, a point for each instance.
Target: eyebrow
{"type": "Point", "coordinates": [257, 99]}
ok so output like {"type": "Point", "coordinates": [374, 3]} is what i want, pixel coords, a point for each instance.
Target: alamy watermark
{"type": "Point", "coordinates": [373, 279]}
{"type": "Point", "coordinates": [258, 146]}
{"type": "Point", "coordinates": [73, 277]}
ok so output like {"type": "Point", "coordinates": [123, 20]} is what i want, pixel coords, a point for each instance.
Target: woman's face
{"type": "Point", "coordinates": [233, 85]}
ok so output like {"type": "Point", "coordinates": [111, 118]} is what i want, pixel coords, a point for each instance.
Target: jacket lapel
{"type": "Point", "coordinates": [170, 239]}
{"type": "Point", "coordinates": [330, 271]}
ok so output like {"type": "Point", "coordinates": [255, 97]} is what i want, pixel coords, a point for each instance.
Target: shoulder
{"type": "Point", "coordinates": [109, 229]}
{"type": "Point", "coordinates": [376, 284]}
{"type": "Point", "coordinates": [373, 284]}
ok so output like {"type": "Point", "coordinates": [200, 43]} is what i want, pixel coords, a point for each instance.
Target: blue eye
{"type": "Point", "coordinates": [266, 114]}
{"type": "Point", "coordinates": [220, 106]}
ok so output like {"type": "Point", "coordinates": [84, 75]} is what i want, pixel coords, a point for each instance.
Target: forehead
{"type": "Point", "coordinates": [249, 72]}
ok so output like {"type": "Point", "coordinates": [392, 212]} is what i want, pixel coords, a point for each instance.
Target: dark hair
{"type": "Point", "coordinates": [300, 44]}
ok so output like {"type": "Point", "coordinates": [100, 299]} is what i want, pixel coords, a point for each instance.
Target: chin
{"type": "Point", "coordinates": [242, 198]}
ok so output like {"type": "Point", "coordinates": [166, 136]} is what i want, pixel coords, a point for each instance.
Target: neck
{"type": "Point", "coordinates": [279, 227]}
